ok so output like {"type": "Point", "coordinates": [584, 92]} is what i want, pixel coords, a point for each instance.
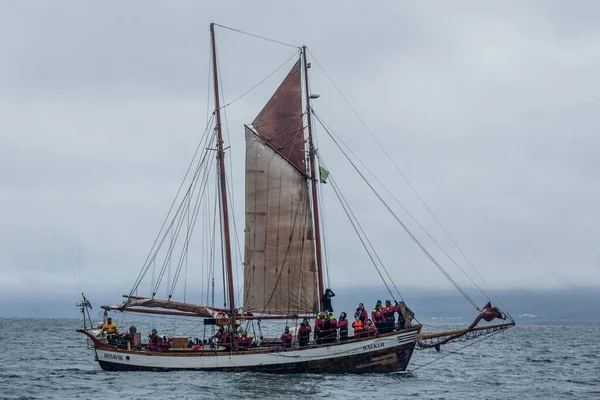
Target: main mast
{"type": "Point", "coordinates": [222, 179]}
{"type": "Point", "coordinates": [315, 200]}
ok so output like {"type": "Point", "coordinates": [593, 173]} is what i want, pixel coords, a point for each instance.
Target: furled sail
{"type": "Point", "coordinates": [201, 311]}
{"type": "Point", "coordinates": [279, 261]}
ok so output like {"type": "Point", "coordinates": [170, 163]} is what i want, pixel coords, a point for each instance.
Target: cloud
{"type": "Point", "coordinates": [488, 109]}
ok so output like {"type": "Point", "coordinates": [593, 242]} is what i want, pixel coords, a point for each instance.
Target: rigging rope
{"type": "Point", "coordinates": [259, 83]}
{"type": "Point", "coordinates": [412, 236]}
{"type": "Point", "coordinates": [195, 212]}
{"type": "Point", "coordinates": [228, 177]}
{"type": "Point", "coordinates": [180, 216]}
{"type": "Point", "coordinates": [213, 249]}
{"type": "Point", "coordinates": [258, 37]}
{"type": "Point", "coordinates": [322, 219]}
{"type": "Point", "coordinates": [224, 224]}
{"type": "Point", "coordinates": [371, 246]}
{"type": "Point", "coordinates": [413, 190]}
{"type": "Point", "coordinates": [401, 205]}
{"type": "Point", "coordinates": [188, 233]}
{"type": "Point", "coordinates": [221, 230]}
{"type": "Point", "coordinates": [354, 223]}
{"type": "Point", "coordinates": [404, 208]}
{"type": "Point", "coordinates": [148, 260]}
{"type": "Point", "coordinates": [456, 351]}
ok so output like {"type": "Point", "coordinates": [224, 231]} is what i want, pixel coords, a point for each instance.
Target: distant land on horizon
{"type": "Point", "coordinates": [532, 307]}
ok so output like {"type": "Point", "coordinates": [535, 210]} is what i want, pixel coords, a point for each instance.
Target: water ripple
{"type": "Point", "coordinates": [532, 362]}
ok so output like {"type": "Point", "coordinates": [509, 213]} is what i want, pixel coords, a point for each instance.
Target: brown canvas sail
{"type": "Point", "coordinates": [279, 261]}
{"type": "Point", "coordinates": [280, 123]}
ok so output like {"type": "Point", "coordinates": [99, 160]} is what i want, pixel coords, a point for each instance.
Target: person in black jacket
{"type": "Point", "coordinates": [327, 300]}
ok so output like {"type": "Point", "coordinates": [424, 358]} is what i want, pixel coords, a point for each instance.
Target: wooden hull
{"type": "Point", "coordinates": [387, 353]}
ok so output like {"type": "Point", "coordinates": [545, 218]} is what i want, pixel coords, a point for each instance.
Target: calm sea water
{"type": "Point", "coordinates": [46, 359]}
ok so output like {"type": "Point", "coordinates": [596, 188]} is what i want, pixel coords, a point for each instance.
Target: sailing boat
{"type": "Point", "coordinates": [283, 265]}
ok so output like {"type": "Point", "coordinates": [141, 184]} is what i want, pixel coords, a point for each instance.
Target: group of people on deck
{"type": "Point", "coordinates": [226, 337]}
{"type": "Point", "coordinates": [382, 319]}
{"type": "Point", "coordinates": [328, 329]}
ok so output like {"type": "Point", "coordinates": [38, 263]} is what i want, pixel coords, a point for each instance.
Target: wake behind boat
{"type": "Point", "coordinates": [284, 267]}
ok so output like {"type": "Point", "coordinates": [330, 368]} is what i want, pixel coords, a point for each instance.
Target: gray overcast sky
{"type": "Point", "coordinates": [489, 109]}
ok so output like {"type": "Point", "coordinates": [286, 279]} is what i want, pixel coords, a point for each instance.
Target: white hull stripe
{"type": "Point", "coordinates": [198, 361]}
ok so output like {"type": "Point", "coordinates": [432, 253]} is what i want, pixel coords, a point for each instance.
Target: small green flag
{"type": "Point", "coordinates": [323, 174]}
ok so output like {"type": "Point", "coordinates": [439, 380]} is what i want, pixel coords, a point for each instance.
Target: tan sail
{"type": "Point", "coordinates": [279, 261]}
{"type": "Point", "coordinates": [279, 267]}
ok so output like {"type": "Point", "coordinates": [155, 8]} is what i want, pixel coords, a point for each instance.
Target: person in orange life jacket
{"type": "Point", "coordinates": [342, 324]}
{"type": "Point", "coordinates": [358, 327]}
{"type": "Point", "coordinates": [286, 338]}
{"type": "Point", "coordinates": [320, 327]}
{"type": "Point", "coordinates": [361, 313]}
{"type": "Point", "coordinates": [330, 328]}
{"type": "Point", "coordinates": [371, 329]}
{"type": "Point", "coordinates": [111, 330]}
{"type": "Point", "coordinates": [304, 333]}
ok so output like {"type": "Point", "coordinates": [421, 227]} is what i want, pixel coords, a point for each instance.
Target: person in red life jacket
{"type": "Point", "coordinates": [326, 330]}
{"type": "Point", "coordinates": [361, 313]}
{"type": "Point", "coordinates": [286, 338]}
{"type": "Point", "coordinates": [377, 315]}
{"type": "Point", "coordinates": [342, 324]}
{"type": "Point", "coordinates": [304, 333]}
{"type": "Point", "coordinates": [359, 327]}
{"type": "Point", "coordinates": [219, 336]}
{"type": "Point", "coordinates": [243, 340]}
{"type": "Point", "coordinates": [371, 329]}
{"type": "Point", "coordinates": [331, 328]}
{"type": "Point", "coordinates": [155, 342]}
{"type": "Point", "coordinates": [388, 311]}
{"type": "Point", "coordinates": [388, 317]}
{"type": "Point", "coordinates": [320, 327]}
{"type": "Point", "coordinates": [229, 339]}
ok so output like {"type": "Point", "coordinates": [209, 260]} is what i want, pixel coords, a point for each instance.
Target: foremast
{"type": "Point", "coordinates": [312, 153]}
{"type": "Point", "coordinates": [222, 180]}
